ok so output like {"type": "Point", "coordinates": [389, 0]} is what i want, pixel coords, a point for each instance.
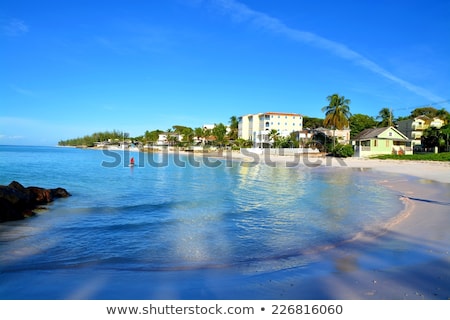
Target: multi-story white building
{"type": "Point", "coordinates": [414, 128]}
{"type": "Point", "coordinates": [257, 127]}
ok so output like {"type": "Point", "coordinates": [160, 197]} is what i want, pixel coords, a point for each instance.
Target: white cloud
{"type": "Point", "coordinates": [16, 121]}
{"type": "Point", "coordinates": [22, 91]}
{"type": "Point", "coordinates": [12, 137]}
{"type": "Point", "coordinates": [241, 13]}
{"type": "Point", "coordinates": [13, 27]}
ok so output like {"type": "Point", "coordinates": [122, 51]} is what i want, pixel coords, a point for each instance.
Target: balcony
{"type": "Point", "coordinates": [416, 135]}
{"type": "Point", "coordinates": [420, 126]}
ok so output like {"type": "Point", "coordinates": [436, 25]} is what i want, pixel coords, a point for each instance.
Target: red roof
{"type": "Point", "coordinates": [283, 114]}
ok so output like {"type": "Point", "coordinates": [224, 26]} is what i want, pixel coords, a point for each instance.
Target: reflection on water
{"type": "Point", "coordinates": [173, 218]}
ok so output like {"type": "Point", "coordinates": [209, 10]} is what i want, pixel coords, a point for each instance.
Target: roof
{"type": "Point", "coordinates": [283, 114]}
{"type": "Point", "coordinates": [423, 117]}
{"type": "Point", "coordinates": [369, 133]}
{"type": "Point", "coordinates": [375, 133]}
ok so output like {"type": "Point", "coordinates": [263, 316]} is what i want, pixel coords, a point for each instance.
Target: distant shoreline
{"type": "Point", "coordinates": [431, 170]}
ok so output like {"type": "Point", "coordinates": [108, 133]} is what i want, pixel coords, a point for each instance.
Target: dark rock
{"type": "Point", "coordinates": [18, 202]}
{"type": "Point", "coordinates": [39, 195]}
{"type": "Point", "coordinates": [59, 193]}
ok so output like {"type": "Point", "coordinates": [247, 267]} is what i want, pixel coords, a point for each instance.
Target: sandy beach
{"type": "Point", "coordinates": [411, 260]}
{"type": "Point", "coordinates": [429, 170]}
{"type": "Point", "coordinates": [408, 259]}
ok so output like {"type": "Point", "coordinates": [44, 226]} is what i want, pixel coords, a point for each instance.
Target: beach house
{"type": "Point", "coordinates": [257, 127]}
{"type": "Point", "coordinates": [387, 140]}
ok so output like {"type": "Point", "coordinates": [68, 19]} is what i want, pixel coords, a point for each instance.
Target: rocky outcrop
{"type": "Point", "coordinates": [18, 202]}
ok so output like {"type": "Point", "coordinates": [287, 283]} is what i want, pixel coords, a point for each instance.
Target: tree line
{"type": "Point", "coordinates": [90, 140]}
{"type": "Point", "coordinates": [337, 116]}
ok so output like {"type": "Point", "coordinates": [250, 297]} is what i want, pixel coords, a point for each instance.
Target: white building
{"type": "Point", "coordinates": [168, 138]}
{"type": "Point", "coordinates": [414, 128]}
{"type": "Point", "coordinates": [257, 127]}
{"type": "Point", "coordinates": [208, 126]}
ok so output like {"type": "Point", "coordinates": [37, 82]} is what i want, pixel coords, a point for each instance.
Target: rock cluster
{"type": "Point", "coordinates": [18, 202]}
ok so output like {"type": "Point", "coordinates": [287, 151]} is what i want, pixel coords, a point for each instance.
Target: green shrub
{"type": "Point", "coordinates": [444, 156]}
{"type": "Point", "coordinates": [343, 151]}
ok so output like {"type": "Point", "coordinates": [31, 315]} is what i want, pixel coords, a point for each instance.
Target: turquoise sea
{"type": "Point", "coordinates": [163, 228]}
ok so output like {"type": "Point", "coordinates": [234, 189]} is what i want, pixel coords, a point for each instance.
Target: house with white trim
{"type": "Point", "coordinates": [378, 141]}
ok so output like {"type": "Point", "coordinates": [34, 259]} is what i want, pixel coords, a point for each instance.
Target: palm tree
{"type": "Point", "coordinates": [219, 131]}
{"type": "Point", "coordinates": [273, 136]}
{"type": "Point", "coordinates": [337, 113]}
{"type": "Point", "coordinates": [172, 139]}
{"type": "Point", "coordinates": [198, 133]}
{"type": "Point", "coordinates": [234, 125]}
{"type": "Point", "coordinates": [385, 117]}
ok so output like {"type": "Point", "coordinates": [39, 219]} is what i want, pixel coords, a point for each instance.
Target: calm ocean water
{"type": "Point", "coordinates": [173, 218]}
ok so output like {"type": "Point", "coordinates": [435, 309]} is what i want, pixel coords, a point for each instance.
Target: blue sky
{"type": "Point", "coordinates": [70, 68]}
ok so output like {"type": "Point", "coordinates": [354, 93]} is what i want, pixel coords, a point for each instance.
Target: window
{"type": "Point", "coordinates": [375, 143]}
{"type": "Point", "coordinates": [390, 134]}
{"type": "Point", "coordinates": [267, 124]}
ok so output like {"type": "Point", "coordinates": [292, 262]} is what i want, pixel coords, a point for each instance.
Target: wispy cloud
{"type": "Point", "coordinates": [243, 14]}
{"type": "Point", "coordinates": [135, 37]}
{"type": "Point", "coordinates": [113, 46]}
{"type": "Point", "coordinates": [22, 91]}
{"type": "Point", "coordinates": [13, 27]}
{"type": "Point", "coordinates": [17, 121]}
{"type": "Point", "coordinates": [6, 137]}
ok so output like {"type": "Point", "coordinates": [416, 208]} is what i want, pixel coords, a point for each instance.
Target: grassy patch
{"type": "Point", "coordinates": [444, 156]}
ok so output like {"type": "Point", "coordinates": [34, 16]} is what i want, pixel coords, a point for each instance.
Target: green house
{"type": "Point", "coordinates": [387, 140]}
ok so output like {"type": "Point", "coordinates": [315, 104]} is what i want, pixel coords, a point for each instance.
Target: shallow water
{"type": "Point", "coordinates": [172, 218]}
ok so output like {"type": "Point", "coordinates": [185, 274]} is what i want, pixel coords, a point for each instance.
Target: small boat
{"type": "Point", "coordinates": [132, 162]}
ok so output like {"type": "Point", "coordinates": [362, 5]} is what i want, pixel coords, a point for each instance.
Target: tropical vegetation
{"type": "Point", "coordinates": [385, 118]}
{"type": "Point", "coordinates": [337, 112]}
{"type": "Point", "coordinates": [343, 150]}
{"type": "Point", "coordinates": [443, 156]}
{"type": "Point", "coordinates": [89, 140]}
{"type": "Point", "coordinates": [337, 117]}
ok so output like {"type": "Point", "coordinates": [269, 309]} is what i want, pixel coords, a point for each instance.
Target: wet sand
{"type": "Point", "coordinates": [408, 259]}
